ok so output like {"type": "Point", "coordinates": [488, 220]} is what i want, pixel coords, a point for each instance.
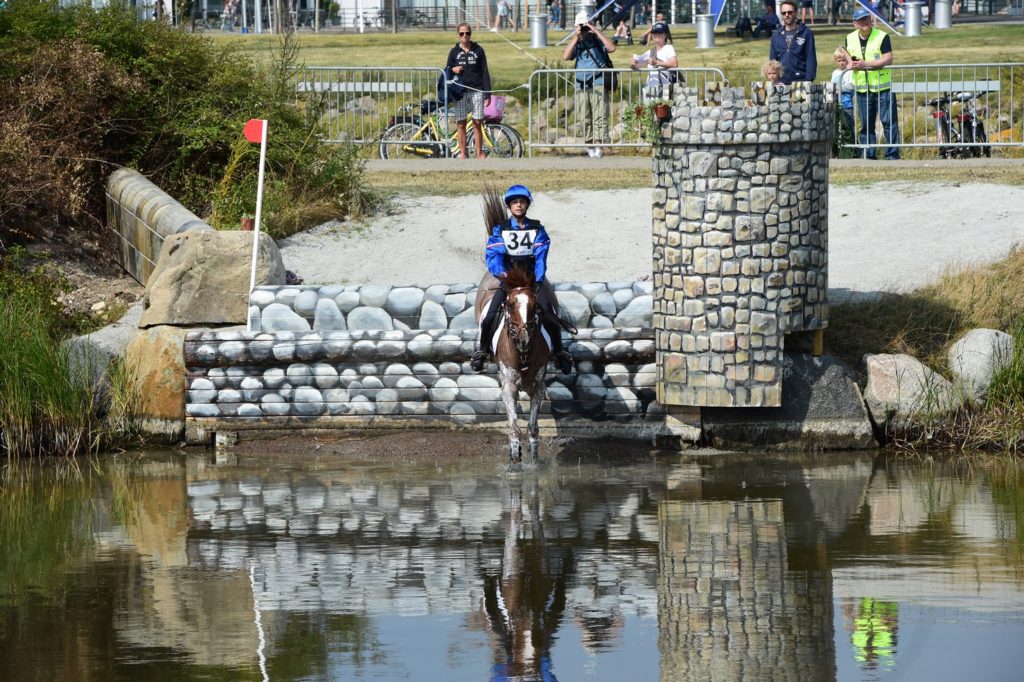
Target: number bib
{"type": "Point", "coordinates": [519, 242]}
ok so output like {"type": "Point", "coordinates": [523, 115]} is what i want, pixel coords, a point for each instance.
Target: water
{"type": "Point", "coordinates": [634, 567]}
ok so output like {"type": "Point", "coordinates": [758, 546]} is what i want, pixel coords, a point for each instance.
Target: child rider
{"type": "Point", "coordinates": [506, 247]}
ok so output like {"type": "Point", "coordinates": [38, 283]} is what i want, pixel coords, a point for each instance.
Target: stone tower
{"type": "Point", "coordinates": [740, 227]}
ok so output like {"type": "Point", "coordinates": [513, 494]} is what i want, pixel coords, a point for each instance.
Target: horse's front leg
{"type": "Point", "coordinates": [532, 428]}
{"type": "Point", "coordinates": [509, 393]}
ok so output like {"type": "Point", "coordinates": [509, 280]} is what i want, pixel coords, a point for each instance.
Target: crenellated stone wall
{"type": "Point", "coordinates": [740, 228]}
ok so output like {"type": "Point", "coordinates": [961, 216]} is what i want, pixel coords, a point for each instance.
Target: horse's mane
{"type": "Point", "coordinates": [518, 277]}
{"type": "Point", "coordinates": [494, 208]}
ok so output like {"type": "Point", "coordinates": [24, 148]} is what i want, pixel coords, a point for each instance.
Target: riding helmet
{"type": "Point", "coordinates": [517, 191]}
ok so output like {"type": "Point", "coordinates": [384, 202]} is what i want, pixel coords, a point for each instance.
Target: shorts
{"type": "Point", "coordinates": [472, 102]}
{"type": "Point", "coordinates": [807, 4]}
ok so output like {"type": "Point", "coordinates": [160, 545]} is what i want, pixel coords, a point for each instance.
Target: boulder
{"type": "Point", "coordinates": [155, 365]}
{"type": "Point", "coordinates": [202, 277]}
{"type": "Point", "coordinates": [93, 352]}
{"type": "Point", "coordinates": [900, 388]}
{"type": "Point", "coordinates": [976, 357]}
{"type": "Point", "coordinates": [822, 409]}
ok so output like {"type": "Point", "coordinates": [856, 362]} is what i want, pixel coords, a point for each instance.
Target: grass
{"type": "Point", "coordinates": [511, 60]}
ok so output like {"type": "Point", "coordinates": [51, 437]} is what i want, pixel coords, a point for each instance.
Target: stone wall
{"type": "Point", "coordinates": [740, 224]}
{"type": "Point", "coordinates": [142, 215]}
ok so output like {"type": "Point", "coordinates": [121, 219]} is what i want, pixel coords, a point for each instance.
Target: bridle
{"type": "Point", "coordinates": [521, 333]}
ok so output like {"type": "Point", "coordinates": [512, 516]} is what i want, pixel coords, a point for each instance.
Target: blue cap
{"type": "Point", "coordinates": [659, 27]}
{"type": "Point", "coordinates": [861, 13]}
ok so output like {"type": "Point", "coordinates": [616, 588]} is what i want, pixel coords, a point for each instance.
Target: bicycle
{"type": "Point", "coordinates": [369, 22]}
{"type": "Point", "coordinates": [965, 139]}
{"type": "Point", "coordinates": [423, 135]}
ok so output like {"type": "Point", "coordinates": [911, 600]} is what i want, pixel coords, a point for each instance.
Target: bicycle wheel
{"type": "Point", "coordinates": [498, 142]}
{"type": "Point", "coordinates": [519, 145]}
{"type": "Point", "coordinates": [404, 141]}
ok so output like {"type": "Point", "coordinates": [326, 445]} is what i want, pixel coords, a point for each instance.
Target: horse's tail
{"type": "Point", "coordinates": [494, 208]}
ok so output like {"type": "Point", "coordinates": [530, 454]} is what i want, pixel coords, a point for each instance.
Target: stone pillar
{"type": "Point", "coordinates": [740, 229]}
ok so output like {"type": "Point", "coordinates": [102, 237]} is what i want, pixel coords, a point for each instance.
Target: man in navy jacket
{"type": "Point", "coordinates": [793, 46]}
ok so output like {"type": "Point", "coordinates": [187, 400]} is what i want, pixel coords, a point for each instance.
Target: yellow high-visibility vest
{"type": "Point", "coordinates": [875, 80]}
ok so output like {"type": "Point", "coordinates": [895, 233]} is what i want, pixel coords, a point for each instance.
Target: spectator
{"type": "Point", "coordinates": [659, 18]}
{"type": "Point", "coordinates": [871, 54]}
{"type": "Point", "coordinates": [504, 13]}
{"type": "Point", "coordinates": [622, 33]}
{"type": "Point", "coordinates": [555, 13]}
{"type": "Point", "coordinates": [793, 45]}
{"type": "Point", "coordinates": [590, 48]}
{"type": "Point", "coordinates": [837, 5]}
{"type": "Point", "coordinates": [661, 57]}
{"type": "Point", "coordinates": [772, 72]}
{"type": "Point", "coordinates": [768, 22]}
{"type": "Point", "coordinates": [468, 61]}
{"type": "Point", "coordinates": [806, 7]}
{"type": "Point", "coordinates": [842, 82]}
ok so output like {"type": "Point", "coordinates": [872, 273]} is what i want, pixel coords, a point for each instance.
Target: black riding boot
{"type": "Point", "coordinates": [483, 342]}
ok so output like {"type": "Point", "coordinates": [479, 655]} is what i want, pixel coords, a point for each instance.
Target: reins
{"type": "Point", "coordinates": [513, 332]}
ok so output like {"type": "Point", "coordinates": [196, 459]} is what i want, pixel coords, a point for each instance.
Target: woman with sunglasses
{"type": "Point", "coordinates": [468, 61]}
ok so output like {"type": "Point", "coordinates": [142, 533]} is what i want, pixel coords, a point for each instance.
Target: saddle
{"type": "Point", "coordinates": [485, 292]}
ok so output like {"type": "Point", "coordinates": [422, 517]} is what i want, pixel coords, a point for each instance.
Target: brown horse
{"type": "Point", "coordinates": [522, 352]}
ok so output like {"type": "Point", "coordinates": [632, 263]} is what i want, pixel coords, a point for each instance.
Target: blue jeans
{"type": "Point", "coordinates": [884, 105]}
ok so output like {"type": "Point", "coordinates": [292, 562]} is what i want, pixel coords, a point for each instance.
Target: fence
{"type": "Point", "coordinates": [945, 110]}
{"type": "Point", "coordinates": [357, 104]}
{"type": "Point", "coordinates": [552, 119]}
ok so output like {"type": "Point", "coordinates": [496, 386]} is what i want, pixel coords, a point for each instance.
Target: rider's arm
{"type": "Point", "coordinates": [540, 254]}
{"type": "Point", "coordinates": [494, 255]}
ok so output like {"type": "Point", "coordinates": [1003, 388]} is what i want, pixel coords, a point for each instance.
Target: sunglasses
{"type": "Point", "coordinates": [465, 33]}
{"type": "Point", "coordinates": [784, 13]}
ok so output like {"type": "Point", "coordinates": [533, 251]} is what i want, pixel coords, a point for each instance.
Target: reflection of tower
{"type": "Point", "coordinates": [729, 607]}
{"type": "Point", "coordinates": [525, 603]}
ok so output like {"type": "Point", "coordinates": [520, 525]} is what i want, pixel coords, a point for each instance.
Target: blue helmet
{"type": "Point", "coordinates": [517, 191]}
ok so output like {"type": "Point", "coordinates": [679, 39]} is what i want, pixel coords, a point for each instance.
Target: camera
{"type": "Point", "coordinates": [584, 28]}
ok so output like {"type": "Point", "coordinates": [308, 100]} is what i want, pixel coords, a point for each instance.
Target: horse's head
{"type": "Point", "coordinates": [521, 311]}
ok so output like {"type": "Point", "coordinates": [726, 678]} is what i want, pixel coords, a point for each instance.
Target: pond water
{"type": "Point", "coordinates": [630, 565]}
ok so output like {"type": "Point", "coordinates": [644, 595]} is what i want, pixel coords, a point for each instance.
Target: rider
{"type": "Point", "coordinates": [507, 247]}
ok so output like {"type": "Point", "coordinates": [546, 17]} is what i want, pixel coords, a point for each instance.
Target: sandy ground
{"type": "Point", "coordinates": [882, 237]}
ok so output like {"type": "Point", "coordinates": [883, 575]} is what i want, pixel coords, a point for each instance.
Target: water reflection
{"type": "Point", "coordinates": [735, 567]}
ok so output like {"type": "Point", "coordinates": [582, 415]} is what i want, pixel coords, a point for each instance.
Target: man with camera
{"type": "Point", "coordinates": [871, 55]}
{"type": "Point", "coordinates": [590, 48]}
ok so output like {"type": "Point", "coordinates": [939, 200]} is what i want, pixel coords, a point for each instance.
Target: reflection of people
{"type": "Point", "coordinates": [532, 254]}
{"type": "Point", "coordinates": [871, 54]}
{"type": "Point", "coordinates": [590, 48]}
{"type": "Point", "coordinates": [793, 45]}
{"type": "Point", "coordinates": [468, 61]}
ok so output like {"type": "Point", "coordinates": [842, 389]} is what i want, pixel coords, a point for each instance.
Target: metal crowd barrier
{"type": "Point", "coordinates": [949, 111]}
{"type": "Point", "coordinates": [552, 117]}
{"type": "Point", "coordinates": [356, 104]}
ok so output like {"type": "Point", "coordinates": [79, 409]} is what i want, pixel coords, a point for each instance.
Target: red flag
{"type": "Point", "coordinates": [253, 130]}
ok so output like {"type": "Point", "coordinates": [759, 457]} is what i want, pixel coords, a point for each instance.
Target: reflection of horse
{"type": "Point", "coordinates": [525, 604]}
{"type": "Point", "coordinates": [521, 350]}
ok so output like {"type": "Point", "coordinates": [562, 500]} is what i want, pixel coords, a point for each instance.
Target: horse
{"type": "Point", "coordinates": [521, 352]}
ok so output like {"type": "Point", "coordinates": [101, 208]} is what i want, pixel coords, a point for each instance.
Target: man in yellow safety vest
{"type": "Point", "coordinates": [871, 54]}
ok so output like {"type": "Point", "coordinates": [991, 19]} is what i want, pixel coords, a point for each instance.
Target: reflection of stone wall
{"type": "Point", "coordinates": [728, 607]}
{"type": "Point", "coordinates": [740, 242]}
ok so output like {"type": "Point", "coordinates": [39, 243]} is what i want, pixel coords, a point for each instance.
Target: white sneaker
{"type": "Point", "coordinates": [597, 153]}
{"type": "Point", "coordinates": [590, 152]}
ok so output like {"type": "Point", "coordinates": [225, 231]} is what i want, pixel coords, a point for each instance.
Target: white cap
{"type": "Point", "coordinates": [582, 18]}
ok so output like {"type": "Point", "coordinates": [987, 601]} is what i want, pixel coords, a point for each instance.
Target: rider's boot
{"type": "Point", "coordinates": [478, 360]}
{"type": "Point", "coordinates": [564, 361]}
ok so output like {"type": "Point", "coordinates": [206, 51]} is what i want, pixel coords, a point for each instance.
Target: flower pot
{"type": "Point", "coordinates": [248, 224]}
{"type": "Point", "coordinates": [662, 112]}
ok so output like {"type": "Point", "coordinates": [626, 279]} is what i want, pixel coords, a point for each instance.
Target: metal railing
{"type": "Point", "coordinates": [946, 110]}
{"type": "Point", "coordinates": [357, 104]}
{"type": "Point", "coordinates": [552, 113]}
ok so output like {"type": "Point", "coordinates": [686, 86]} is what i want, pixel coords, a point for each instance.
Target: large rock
{"type": "Point", "coordinates": [903, 390]}
{"type": "Point", "coordinates": [93, 352]}
{"type": "Point", "coordinates": [977, 356]}
{"type": "Point", "coordinates": [821, 409]}
{"type": "Point", "coordinates": [154, 362]}
{"type": "Point", "coordinates": [202, 277]}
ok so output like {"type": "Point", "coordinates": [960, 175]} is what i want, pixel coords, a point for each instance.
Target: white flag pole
{"type": "Point", "coordinates": [259, 211]}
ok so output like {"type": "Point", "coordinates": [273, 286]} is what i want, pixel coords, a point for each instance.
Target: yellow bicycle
{"type": "Point", "coordinates": [431, 135]}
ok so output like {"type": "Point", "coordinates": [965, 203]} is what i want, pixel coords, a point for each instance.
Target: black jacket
{"type": "Point", "coordinates": [474, 74]}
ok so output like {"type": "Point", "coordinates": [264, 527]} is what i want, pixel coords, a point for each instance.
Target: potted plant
{"type": "Point", "coordinates": [641, 118]}
{"type": "Point", "coordinates": [248, 222]}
